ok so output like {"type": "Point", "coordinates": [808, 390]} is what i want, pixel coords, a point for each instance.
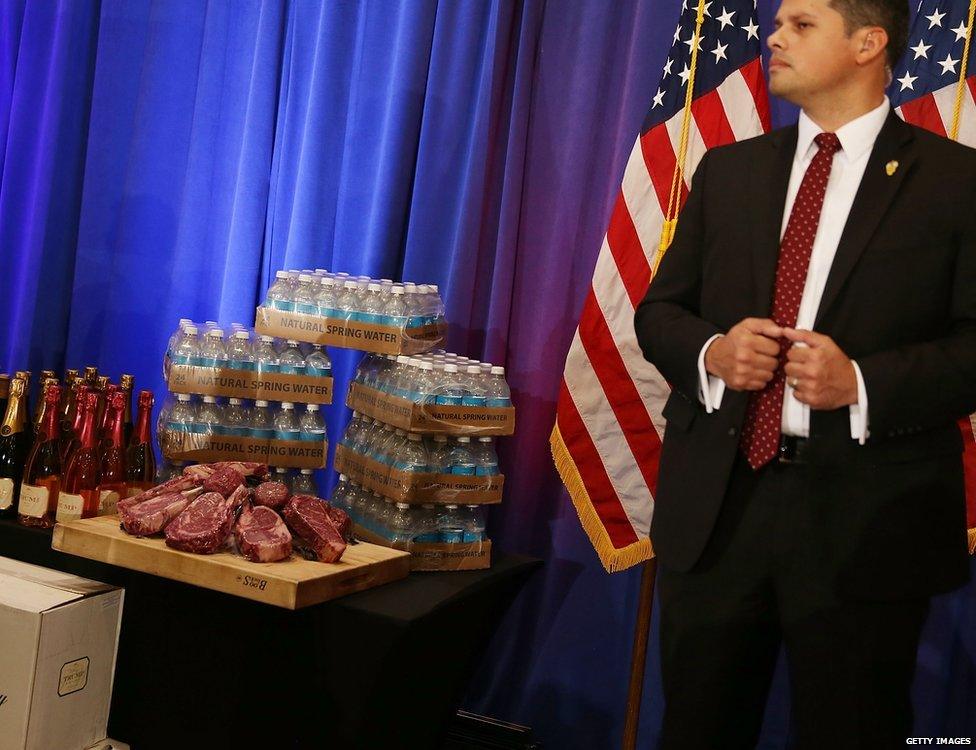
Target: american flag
{"type": "Point", "coordinates": [934, 87]}
{"type": "Point", "coordinates": [607, 437]}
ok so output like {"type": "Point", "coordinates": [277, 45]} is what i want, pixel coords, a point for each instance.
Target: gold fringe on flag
{"type": "Point", "coordinates": [972, 541]}
{"type": "Point", "coordinates": [613, 559]}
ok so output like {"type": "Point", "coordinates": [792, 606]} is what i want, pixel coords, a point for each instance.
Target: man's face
{"type": "Point", "coordinates": [811, 52]}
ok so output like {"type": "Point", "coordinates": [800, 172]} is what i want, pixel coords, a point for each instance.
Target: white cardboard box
{"type": "Point", "coordinates": [58, 639]}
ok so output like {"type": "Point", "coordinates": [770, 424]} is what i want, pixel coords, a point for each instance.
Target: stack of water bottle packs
{"type": "Point", "coordinates": [244, 398]}
{"type": "Point", "coordinates": [377, 315]}
{"type": "Point", "coordinates": [413, 468]}
{"type": "Point", "coordinates": [438, 537]}
{"type": "Point", "coordinates": [438, 392]}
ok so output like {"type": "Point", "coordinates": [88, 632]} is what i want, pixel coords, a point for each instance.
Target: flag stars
{"type": "Point", "coordinates": [948, 65]}
{"type": "Point", "coordinates": [907, 82]}
{"type": "Point", "coordinates": [677, 34]}
{"type": "Point", "coordinates": [935, 19]}
{"type": "Point", "coordinates": [719, 52]}
{"type": "Point", "coordinates": [752, 30]}
{"type": "Point", "coordinates": [685, 74]}
{"type": "Point", "coordinates": [692, 41]}
{"type": "Point", "coordinates": [726, 18]}
{"type": "Point", "coordinates": [667, 67]}
{"type": "Point", "coordinates": [961, 31]}
{"type": "Point", "coordinates": [921, 49]}
{"type": "Point", "coordinates": [658, 99]}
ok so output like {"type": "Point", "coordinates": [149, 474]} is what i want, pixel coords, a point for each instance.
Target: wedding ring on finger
{"type": "Point", "coordinates": [793, 383]}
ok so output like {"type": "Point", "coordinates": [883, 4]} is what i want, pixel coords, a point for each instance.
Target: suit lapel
{"type": "Point", "coordinates": [874, 195]}
{"type": "Point", "coordinates": [771, 178]}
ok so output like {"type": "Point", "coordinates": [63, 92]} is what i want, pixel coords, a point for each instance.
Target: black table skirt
{"type": "Point", "coordinates": [382, 668]}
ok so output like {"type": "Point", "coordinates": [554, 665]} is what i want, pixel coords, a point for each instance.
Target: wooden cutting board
{"type": "Point", "coordinates": [292, 583]}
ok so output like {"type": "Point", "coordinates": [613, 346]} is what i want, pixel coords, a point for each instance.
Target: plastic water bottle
{"type": "Point", "coordinates": [497, 391]}
{"type": "Point", "coordinates": [286, 425]}
{"type": "Point", "coordinates": [401, 527]}
{"type": "Point", "coordinates": [414, 305]}
{"type": "Point", "coordinates": [176, 336]}
{"type": "Point", "coordinates": [348, 302]}
{"type": "Point", "coordinates": [413, 455]}
{"type": "Point", "coordinates": [382, 447]}
{"type": "Point", "coordinates": [462, 459]}
{"type": "Point", "coordinates": [326, 297]}
{"type": "Point", "coordinates": [395, 309]}
{"type": "Point", "coordinates": [306, 295]}
{"type": "Point", "coordinates": [451, 393]}
{"type": "Point", "coordinates": [183, 416]}
{"type": "Point", "coordinates": [439, 455]}
{"type": "Point", "coordinates": [262, 421]}
{"type": "Point", "coordinates": [291, 361]}
{"type": "Point", "coordinates": [186, 350]}
{"type": "Point", "coordinates": [207, 421]}
{"type": "Point", "coordinates": [474, 527]}
{"type": "Point", "coordinates": [239, 353]}
{"type": "Point", "coordinates": [311, 424]}
{"type": "Point", "coordinates": [451, 525]}
{"type": "Point", "coordinates": [318, 363]}
{"type": "Point", "coordinates": [212, 350]}
{"type": "Point", "coordinates": [426, 531]}
{"type": "Point", "coordinates": [425, 387]}
{"type": "Point", "coordinates": [282, 474]}
{"type": "Point", "coordinates": [372, 305]}
{"type": "Point", "coordinates": [265, 356]}
{"type": "Point", "coordinates": [475, 390]}
{"type": "Point", "coordinates": [485, 458]}
{"type": "Point", "coordinates": [235, 419]}
{"type": "Point", "coordinates": [280, 293]}
{"type": "Point", "coordinates": [304, 484]}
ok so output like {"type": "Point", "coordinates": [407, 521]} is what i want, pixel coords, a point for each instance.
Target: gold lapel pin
{"type": "Point", "coordinates": [891, 167]}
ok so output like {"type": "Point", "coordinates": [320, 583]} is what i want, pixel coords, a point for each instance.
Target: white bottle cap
{"type": "Point", "coordinates": [396, 289]}
{"type": "Point", "coordinates": [414, 436]}
{"type": "Point", "coordinates": [190, 330]}
{"type": "Point", "coordinates": [450, 368]}
{"type": "Point", "coordinates": [355, 414]}
{"type": "Point", "coordinates": [342, 477]}
{"type": "Point", "coordinates": [267, 339]}
{"type": "Point", "coordinates": [287, 405]}
{"type": "Point", "coordinates": [182, 396]}
{"type": "Point", "coordinates": [386, 281]}
{"type": "Point", "coordinates": [305, 277]}
{"type": "Point", "coordinates": [341, 274]}
{"type": "Point", "coordinates": [321, 270]}
{"type": "Point", "coordinates": [402, 359]}
{"type": "Point", "coordinates": [410, 287]}
{"type": "Point", "coordinates": [185, 322]}
{"type": "Point", "coordinates": [484, 439]}
{"type": "Point", "coordinates": [306, 472]}
{"type": "Point", "coordinates": [433, 288]}
{"type": "Point", "coordinates": [464, 440]}
{"type": "Point", "coordinates": [327, 281]}
{"type": "Point", "coordinates": [242, 334]}
{"type": "Point", "coordinates": [350, 284]}
{"type": "Point", "coordinates": [216, 333]}
{"type": "Point", "coordinates": [451, 507]}
{"type": "Point", "coordinates": [281, 274]}
{"type": "Point", "coordinates": [235, 401]}
{"type": "Point", "coordinates": [426, 365]}
{"type": "Point", "coordinates": [209, 400]}
{"type": "Point", "coordinates": [400, 432]}
{"type": "Point", "coordinates": [281, 470]}
{"type": "Point", "coordinates": [474, 370]}
{"type": "Point", "coordinates": [374, 287]}
{"type": "Point", "coordinates": [497, 370]}
{"type": "Point", "coordinates": [291, 341]}
{"type": "Point", "coordinates": [311, 407]}
{"type": "Point", "coordinates": [403, 506]}
{"type": "Point", "coordinates": [260, 402]}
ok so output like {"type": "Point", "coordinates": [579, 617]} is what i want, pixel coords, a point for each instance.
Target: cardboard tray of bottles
{"type": "Point", "coordinates": [349, 334]}
{"type": "Point", "coordinates": [433, 557]}
{"type": "Point", "coordinates": [473, 421]}
{"type": "Point", "coordinates": [408, 487]}
{"type": "Point", "coordinates": [231, 383]}
{"type": "Point", "coordinates": [291, 583]}
{"type": "Point", "coordinates": [208, 447]}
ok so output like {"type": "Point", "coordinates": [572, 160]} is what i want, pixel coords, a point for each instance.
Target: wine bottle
{"type": "Point", "coordinates": [112, 483]}
{"type": "Point", "coordinates": [105, 415]}
{"type": "Point", "coordinates": [4, 390]}
{"type": "Point", "coordinates": [42, 403]}
{"type": "Point", "coordinates": [79, 494]}
{"type": "Point", "coordinates": [141, 473]}
{"type": "Point", "coordinates": [127, 383]}
{"type": "Point", "coordinates": [25, 375]}
{"type": "Point", "coordinates": [71, 430]}
{"type": "Point", "coordinates": [13, 448]}
{"type": "Point", "coordinates": [42, 473]}
{"type": "Point", "coordinates": [91, 376]}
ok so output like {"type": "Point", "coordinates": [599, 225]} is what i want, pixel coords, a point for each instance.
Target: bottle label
{"type": "Point", "coordinates": [292, 369]}
{"type": "Point", "coordinates": [316, 436]}
{"type": "Point", "coordinates": [473, 401]}
{"type": "Point", "coordinates": [452, 536]}
{"type": "Point", "coordinates": [240, 364]}
{"type": "Point", "coordinates": [317, 372]}
{"type": "Point", "coordinates": [263, 434]}
{"type": "Point", "coordinates": [287, 434]}
{"type": "Point", "coordinates": [472, 536]}
{"type": "Point", "coordinates": [487, 470]}
{"type": "Point", "coordinates": [6, 493]}
{"type": "Point", "coordinates": [107, 502]}
{"type": "Point", "coordinates": [306, 308]}
{"type": "Point", "coordinates": [499, 402]}
{"type": "Point", "coordinates": [70, 507]}
{"type": "Point", "coordinates": [282, 304]}
{"type": "Point", "coordinates": [446, 400]}
{"type": "Point", "coordinates": [208, 362]}
{"type": "Point", "coordinates": [465, 470]}
{"type": "Point", "coordinates": [432, 538]}
{"type": "Point", "coordinates": [33, 500]}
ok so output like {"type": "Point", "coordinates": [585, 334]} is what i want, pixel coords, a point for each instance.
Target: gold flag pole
{"type": "Point", "coordinates": [645, 602]}
{"type": "Point", "coordinates": [961, 86]}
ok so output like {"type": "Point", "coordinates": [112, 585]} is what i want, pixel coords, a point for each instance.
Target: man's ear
{"type": "Point", "coordinates": [870, 41]}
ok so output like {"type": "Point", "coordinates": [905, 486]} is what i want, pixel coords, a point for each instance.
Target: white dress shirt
{"type": "Point", "coordinates": [856, 139]}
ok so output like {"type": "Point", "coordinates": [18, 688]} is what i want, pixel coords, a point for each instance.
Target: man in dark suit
{"type": "Point", "coordinates": [816, 317]}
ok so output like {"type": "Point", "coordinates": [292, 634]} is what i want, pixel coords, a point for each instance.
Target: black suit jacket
{"type": "Point", "coordinates": [900, 299]}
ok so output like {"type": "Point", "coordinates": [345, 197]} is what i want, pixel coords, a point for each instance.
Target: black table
{"type": "Point", "coordinates": [382, 668]}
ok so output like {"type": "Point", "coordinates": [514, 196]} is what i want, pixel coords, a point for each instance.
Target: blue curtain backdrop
{"type": "Point", "coordinates": [162, 159]}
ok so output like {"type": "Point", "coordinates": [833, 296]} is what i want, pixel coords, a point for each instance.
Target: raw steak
{"type": "Point", "coordinates": [246, 468]}
{"type": "Point", "coordinates": [178, 484]}
{"type": "Point", "coordinates": [205, 525]}
{"type": "Point", "coordinates": [309, 518]}
{"type": "Point", "coordinates": [339, 518]}
{"type": "Point", "coordinates": [151, 516]}
{"type": "Point", "coordinates": [224, 480]}
{"type": "Point", "coordinates": [262, 536]}
{"type": "Point", "coordinates": [272, 494]}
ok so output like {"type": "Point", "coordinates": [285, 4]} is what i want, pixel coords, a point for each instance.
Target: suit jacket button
{"type": "Point", "coordinates": [732, 432]}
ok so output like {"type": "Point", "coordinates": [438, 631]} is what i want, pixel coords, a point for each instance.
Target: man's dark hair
{"type": "Point", "coordinates": [890, 15]}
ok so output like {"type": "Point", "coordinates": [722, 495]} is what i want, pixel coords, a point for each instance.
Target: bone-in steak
{"type": "Point", "coordinates": [204, 526]}
{"type": "Point", "coordinates": [309, 518]}
{"type": "Point", "coordinates": [262, 536]}
{"type": "Point", "coordinates": [151, 516]}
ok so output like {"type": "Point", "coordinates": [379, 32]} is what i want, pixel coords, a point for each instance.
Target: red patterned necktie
{"type": "Point", "coordinates": [764, 414]}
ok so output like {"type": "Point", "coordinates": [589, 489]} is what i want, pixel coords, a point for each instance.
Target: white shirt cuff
{"type": "Point", "coordinates": [710, 387]}
{"type": "Point", "coordinates": [859, 411]}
